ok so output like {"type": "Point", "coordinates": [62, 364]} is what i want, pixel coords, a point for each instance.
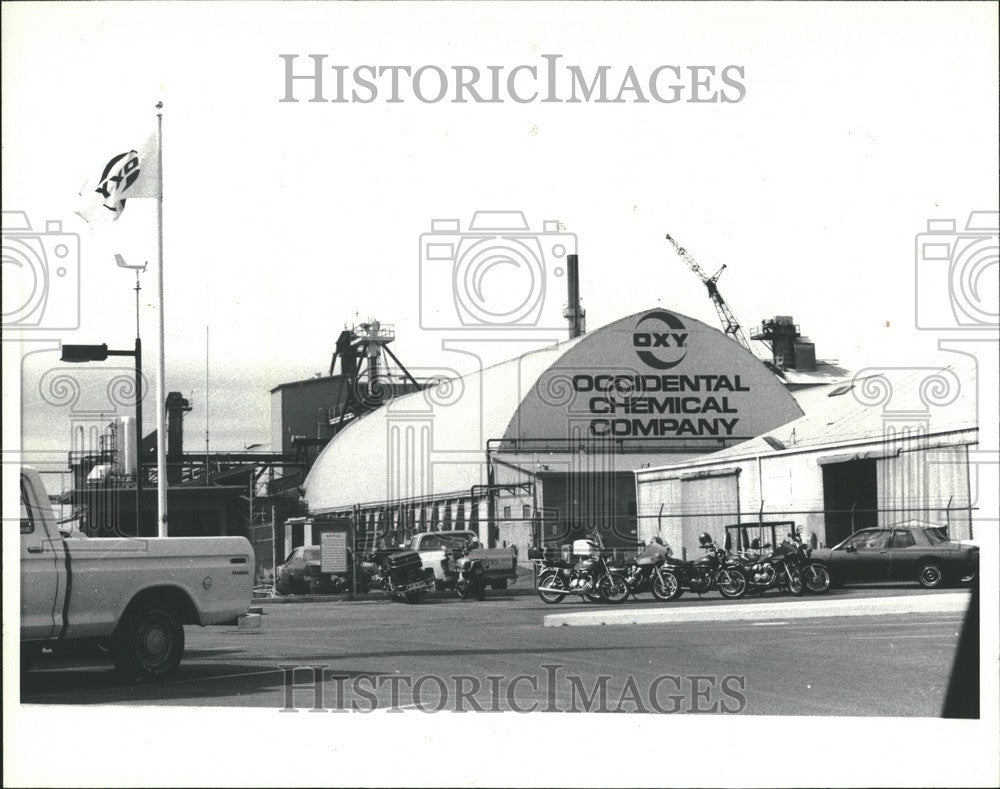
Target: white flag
{"type": "Point", "coordinates": [132, 174]}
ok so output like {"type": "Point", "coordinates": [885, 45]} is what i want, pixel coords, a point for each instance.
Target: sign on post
{"type": "Point", "coordinates": [333, 552]}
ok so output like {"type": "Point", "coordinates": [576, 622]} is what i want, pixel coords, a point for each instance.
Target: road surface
{"type": "Point", "coordinates": [448, 655]}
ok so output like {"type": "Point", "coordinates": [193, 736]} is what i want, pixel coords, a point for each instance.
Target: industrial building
{"type": "Point", "coordinates": [890, 446]}
{"type": "Point", "coordinates": [208, 494]}
{"type": "Point", "coordinates": [544, 447]}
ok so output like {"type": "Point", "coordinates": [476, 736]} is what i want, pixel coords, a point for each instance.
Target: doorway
{"type": "Point", "coordinates": [850, 498]}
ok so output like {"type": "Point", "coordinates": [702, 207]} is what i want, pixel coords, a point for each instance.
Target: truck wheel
{"type": "Point", "coordinates": [148, 644]}
{"type": "Point", "coordinates": [501, 584]}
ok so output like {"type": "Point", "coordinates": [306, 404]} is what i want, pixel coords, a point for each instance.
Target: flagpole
{"type": "Point", "coordinates": [161, 425]}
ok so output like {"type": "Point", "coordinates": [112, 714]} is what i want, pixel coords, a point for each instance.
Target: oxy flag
{"type": "Point", "coordinates": [128, 175]}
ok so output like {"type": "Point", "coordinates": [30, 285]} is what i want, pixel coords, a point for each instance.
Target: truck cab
{"type": "Point", "coordinates": [134, 595]}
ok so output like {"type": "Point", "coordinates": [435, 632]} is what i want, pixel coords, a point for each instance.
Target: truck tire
{"type": "Point", "coordinates": [148, 644]}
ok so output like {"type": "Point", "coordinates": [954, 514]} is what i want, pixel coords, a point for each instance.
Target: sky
{"type": "Point", "coordinates": [284, 221]}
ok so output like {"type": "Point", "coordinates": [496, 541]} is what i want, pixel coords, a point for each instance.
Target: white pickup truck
{"type": "Point", "coordinates": [437, 549]}
{"type": "Point", "coordinates": [132, 595]}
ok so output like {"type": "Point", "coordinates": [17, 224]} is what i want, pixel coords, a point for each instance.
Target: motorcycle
{"type": "Point", "coordinates": [715, 570]}
{"type": "Point", "coordinates": [779, 569]}
{"type": "Point", "coordinates": [591, 577]}
{"type": "Point", "coordinates": [815, 575]}
{"type": "Point", "coordinates": [471, 580]}
{"type": "Point", "coordinates": [400, 574]}
{"type": "Point", "coordinates": [643, 571]}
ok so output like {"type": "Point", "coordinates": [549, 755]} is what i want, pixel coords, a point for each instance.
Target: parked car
{"type": "Point", "coordinates": [905, 552]}
{"type": "Point", "coordinates": [131, 596]}
{"type": "Point", "coordinates": [301, 573]}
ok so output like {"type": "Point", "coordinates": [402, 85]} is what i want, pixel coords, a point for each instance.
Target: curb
{"type": "Point", "coordinates": [380, 596]}
{"type": "Point", "coordinates": [749, 612]}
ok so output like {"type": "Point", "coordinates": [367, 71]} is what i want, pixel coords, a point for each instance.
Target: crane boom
{"type": "Point", "coordinates": [730, 325]}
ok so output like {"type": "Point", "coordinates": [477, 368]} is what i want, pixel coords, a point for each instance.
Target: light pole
{"type": "Point", "coordinates": [76, 354]}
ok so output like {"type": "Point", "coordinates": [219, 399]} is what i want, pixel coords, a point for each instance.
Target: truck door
{"type": "Point", "coordinates": [41, 573]}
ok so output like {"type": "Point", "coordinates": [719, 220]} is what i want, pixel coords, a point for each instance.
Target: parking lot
{"type": "Point", "coordinates": [377, 654]}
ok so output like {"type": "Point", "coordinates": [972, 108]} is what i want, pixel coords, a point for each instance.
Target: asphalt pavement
{"type": "Point", "coordinates": [446, 654]}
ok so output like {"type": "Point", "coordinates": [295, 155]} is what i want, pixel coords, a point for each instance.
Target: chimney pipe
{"type": "Point", "coordinates": [575, 315]}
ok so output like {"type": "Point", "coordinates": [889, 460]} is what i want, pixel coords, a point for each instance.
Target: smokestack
{"type": "Point", "coordinates": [575, 315]}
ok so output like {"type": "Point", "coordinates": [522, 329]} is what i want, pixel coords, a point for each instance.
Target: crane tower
{"type": "Point", "coordinates": [730, 325]}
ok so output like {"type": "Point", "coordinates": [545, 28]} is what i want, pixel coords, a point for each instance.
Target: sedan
{"type": "Point", "coordinates": [301, 574]}
{"type": "Point", "coordinates": [906, 552]}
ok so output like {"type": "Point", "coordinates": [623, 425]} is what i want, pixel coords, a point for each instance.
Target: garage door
{"type": "Point", "coordinates": [709, 503]}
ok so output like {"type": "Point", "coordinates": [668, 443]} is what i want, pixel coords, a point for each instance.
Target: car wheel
{"type": "Point", "coordinates": [148, 644]}
{"type": "Point", "coordinates": [930, 575]}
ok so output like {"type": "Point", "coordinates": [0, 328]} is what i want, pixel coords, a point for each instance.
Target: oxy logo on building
{"type": "Point", "coordinates": [660, 340]}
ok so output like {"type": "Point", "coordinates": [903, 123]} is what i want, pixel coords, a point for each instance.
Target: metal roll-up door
{"type": "Point", "coordinates": [709, 503]}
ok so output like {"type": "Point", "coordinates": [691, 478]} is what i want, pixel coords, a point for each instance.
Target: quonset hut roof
{"type": "Point", "coordinates": [655, 382]}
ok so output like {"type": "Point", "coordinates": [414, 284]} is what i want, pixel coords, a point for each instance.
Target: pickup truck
{"type": "Point", "coordinates": [437, 548]}
{"type": "Point", "coordinates": [130, 595]}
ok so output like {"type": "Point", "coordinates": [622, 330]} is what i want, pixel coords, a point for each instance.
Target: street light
{"type": "Point", "coordinates": [78, 354]}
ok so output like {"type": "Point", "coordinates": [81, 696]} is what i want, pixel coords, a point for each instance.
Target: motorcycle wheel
{"type": "Point", "coordinates": [795, 585]}
{"type": "Point", "coordinates": [732, 583]}
{"type": "Point", "coordinates": [613, 589]}
{"type": "Point", "coordinates": [666, 586]}
{"type": "Point", "coordinates": [548, 586]}
{"type": "Point", "coordinates": [816, 578]}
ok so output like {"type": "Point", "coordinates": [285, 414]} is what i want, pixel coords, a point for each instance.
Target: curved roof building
{"type": "Point", "coordinates": [553, 436]}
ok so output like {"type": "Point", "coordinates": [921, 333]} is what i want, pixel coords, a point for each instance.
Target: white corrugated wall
{"type": "Point", "coordinates": [928, 485]}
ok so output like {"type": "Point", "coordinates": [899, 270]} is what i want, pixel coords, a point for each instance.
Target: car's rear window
{"type": "Point", "coordinates": [313, 552]}
{"type": "Point", "coordinates": [937, 535]}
